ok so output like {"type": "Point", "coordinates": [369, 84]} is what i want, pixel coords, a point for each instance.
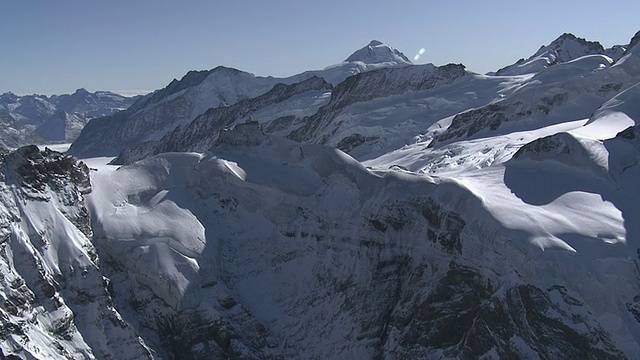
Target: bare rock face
{"type": "Point", "coordinates": [246, 134]}
{"type": "Point", "coordinates": [55, 302]}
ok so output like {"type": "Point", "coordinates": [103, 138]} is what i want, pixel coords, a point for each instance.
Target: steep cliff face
{"type": "Point", "coordinates": [54, 301]}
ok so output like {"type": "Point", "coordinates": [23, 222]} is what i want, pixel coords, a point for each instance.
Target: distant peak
{"type": "Point", "coordinates": [564, 48]}
{"type": "Point", "coordinates": [81, 91]}
{"type": "Point", "coordinates": [589, 46]}
{"type": "Point", "coordinates": [377, 52]}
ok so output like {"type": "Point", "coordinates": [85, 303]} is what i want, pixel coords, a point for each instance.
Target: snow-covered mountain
{"type": "Point", "coordinates": [303, 98]}
{"type": "Point", "coordinates": [383, 210]}
{"type": "Point", "coordinates": [378, 53]}
{"type": "Point", "coordinates": [182, 101]}
{"type": "Point", "coordinates": [568, 91]}
{"type": "Point", "coordinates": [39, 119]}
{"type": "Point", "coordinates": [565, 48]}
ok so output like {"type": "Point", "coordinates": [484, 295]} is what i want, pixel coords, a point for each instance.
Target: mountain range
{"type": "Point", "coordinates": [40, 119]}
{"type": "Point", "coordinates": [372, 209]}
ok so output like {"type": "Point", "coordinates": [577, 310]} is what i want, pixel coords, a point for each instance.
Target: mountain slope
{"type": "Point", "coordinates": [152, 117]}
{"type": "Point", "coordinates": [376, 112]}
{"type": "Point", "coordinates": [565, 92]}
{"type": "Point", "coordinates": [371, 85]}
{"type": "Point", "coordinates": [360, 100]}
{"type": "Point", "coordinates": [202, 133]}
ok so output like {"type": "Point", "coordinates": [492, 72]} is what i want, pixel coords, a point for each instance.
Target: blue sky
{"type": "Point", "coordinates": [59, 46]}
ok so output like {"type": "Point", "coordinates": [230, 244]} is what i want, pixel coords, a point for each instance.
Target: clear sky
{"type": "Point", "coordinates": [58, 46]}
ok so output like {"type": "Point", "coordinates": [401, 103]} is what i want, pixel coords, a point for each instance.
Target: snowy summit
{"type": "Point", "coordinates": [377, 53]}
{"type": "Point", "coordinates": [565, 48]}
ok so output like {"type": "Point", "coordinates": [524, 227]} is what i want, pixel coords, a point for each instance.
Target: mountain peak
{"type": "Point", "coordinates": [568, 47]}
{"type": "Point", "coordinates": [565, 48]}
{"type": "Point", "coordinates": [568, 36]}
{"type": "Point", "coordinates": [81, 91]}
{"type": "Point", "coordinates": [377, 52]}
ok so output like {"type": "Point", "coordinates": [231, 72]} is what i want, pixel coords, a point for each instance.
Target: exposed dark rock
{"type": "Point", "coordinates": [465, 317]}
{"type": "Point", "coordinates": [353, 141]}
{"type": "Point", "coordinates": [37, 169]}
{"type": "Point", "coordinates": [279, 124]}
{"type": "Point", "coordinates": [246, 134]}
{"type": "Point", "coordinates": [556, 144]}
{"type": "Point", "coordinates": [631, 133]}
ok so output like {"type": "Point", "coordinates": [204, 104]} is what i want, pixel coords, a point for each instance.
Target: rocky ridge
{"type": "Point", "coordinates": [55, 301]}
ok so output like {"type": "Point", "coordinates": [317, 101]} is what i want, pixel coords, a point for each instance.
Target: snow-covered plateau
{"type": "Point", "coordinates": [372, 209]}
